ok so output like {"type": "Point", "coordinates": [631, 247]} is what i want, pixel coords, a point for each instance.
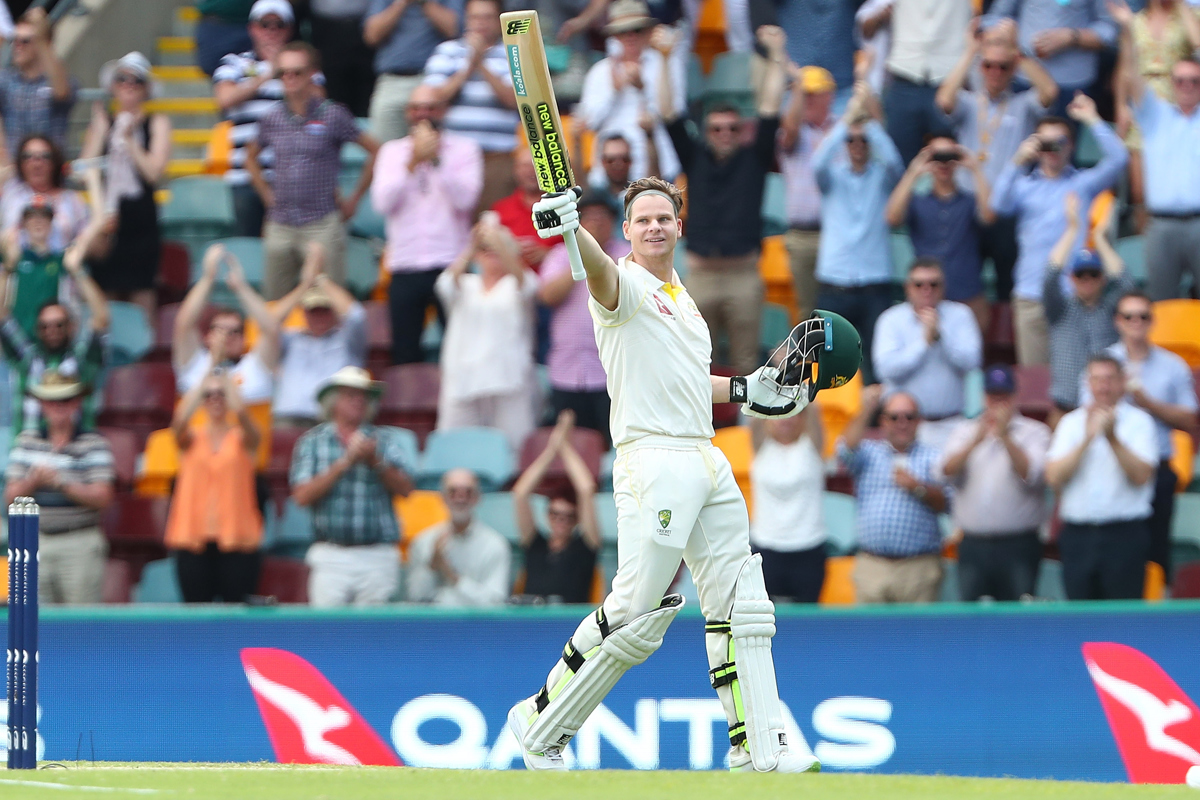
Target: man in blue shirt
{"type": "Point", "coordinates": [1033, 187]}
{"type": "Point", "coordinates": [1171, 159]}
{"type": "Point", "coordinates": [856, 167]}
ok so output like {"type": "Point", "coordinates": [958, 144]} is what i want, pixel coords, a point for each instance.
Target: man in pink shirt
{"type": "Point", "coordinates": [577, 379]}
{"type": "Point", "coordinates": [426, 186]}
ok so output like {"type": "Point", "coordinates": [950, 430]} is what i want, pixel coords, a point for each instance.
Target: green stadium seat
{"type": "Point", "coordinates": [366, 221]}
{"type": "Point", "coordinates": [159, 583]}
{"type": "Point", "coordinates": [774, 205]}
{"type": "Point", "coordinates": [1132, 250]}
{"type": "Point", "coordinates": [775, 327]}
{"type": "Point", "coordinates": [841, 521]}
{"type": "Point", "coordinates": [903, 255]}
{"type": "Point", "coordinates": [129, 334]}
{"type": "Point", "coordinates": [484, 451]}
{"type": "Point", "coordinates": [730, 82]}
{"type": "Point", "coordinates": [362, 267]}
{"type": "Point", "coordinates": [1185, 525]}
{"type": "Point", "coordinates": [200, 210]}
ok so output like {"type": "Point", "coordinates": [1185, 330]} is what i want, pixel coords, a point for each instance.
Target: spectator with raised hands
{"type": "Point", "coordinates": [40, 171]}
{"type": "Point", "coordinates": [560, 562]}
{"type": "Point", "coordinates": [37, 91]}
{"type": "Point", "coordinates": [215, 529]}
{"type": "Point", "coordinates": [223, 339]}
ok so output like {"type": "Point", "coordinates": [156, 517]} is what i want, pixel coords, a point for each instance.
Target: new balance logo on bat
{"type": "Point", "coordinates": [1155, 724]}
{"type": "Point", "coordinates": [518, 26]}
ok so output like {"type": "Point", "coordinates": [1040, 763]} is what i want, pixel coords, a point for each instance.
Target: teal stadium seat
{"type": "Point", "coordinates": [200, 210]}
{"type": "Point", "coordinates": [841, 520]}
{"type": "Point", "coordinates": [366, 221]}
{"type": "Point", "coordinates": [1050, 584]}
{"type": "Point", "coordinates": [1132, 250]}
{"type": "Point", "coordinates": [606, 515]}
{"type": "Point", "coordinates": [696, 82]}
{"type": "Point", "coordinates": [159, 583]}
{"type": "Point", "coordinates": [774, 205]}
{"type": "Point", "coordinates": [775, 327]}
{"type": "Point", "coordinates": [903, 255]}
{"type": "Point", "coordinates": [129, 334]}
{"type": "Point", "coordinates": [1185, 525]}
{"type": "Point", "coordinates": [973, 394]}
{"type": "Point", "coordinates": [496, 510]}
{"type": "Point", "coordinates": [1087, 149]}
{"type": "Point", "coordinates": [289, 534]}
{"type": "Point", "coordinates": [606, 470]}
{"type": "Point", "coordinates": [362, 266]}
{"type": "Point", "coordinates": [484, 451]}
{"type": "Point", "coordinates": [730, 82]}
{"type": "Point", "coordinates": [411, 446]}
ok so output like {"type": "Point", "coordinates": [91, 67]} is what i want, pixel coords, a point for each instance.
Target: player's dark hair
{"type": "Point", "coordinates": [1052, 120]}
{"type": "Point", "coordinates": [299, 46]}
{"type": "Point", "coordinates": [655, 184]}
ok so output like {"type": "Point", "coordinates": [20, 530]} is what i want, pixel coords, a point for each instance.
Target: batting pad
{"type": "Point", "coordinates": [627, 646]}
{"type": "Point", "coordinates": [752, 624]}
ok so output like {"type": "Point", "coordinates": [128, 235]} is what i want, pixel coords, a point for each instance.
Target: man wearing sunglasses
{"type": "Point", "coordinates": [36, 91]}
{"type": "Point", "coordinates": [1171, 164]}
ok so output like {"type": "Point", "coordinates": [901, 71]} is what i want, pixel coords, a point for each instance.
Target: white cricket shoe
{"type": "Point", "coordinates": [739, 761]}
{"type": "Point", "coordinates": [518, 723]}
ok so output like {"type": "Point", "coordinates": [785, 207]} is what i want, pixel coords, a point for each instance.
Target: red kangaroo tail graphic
{"type": "Point", "coordinates": [1156, 725]}
{"type": "Point", "coordinates": [308, 720]}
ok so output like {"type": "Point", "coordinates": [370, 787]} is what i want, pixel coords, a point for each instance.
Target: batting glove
{"type": "Point", "coordinates": [761, 396]}
{"type": "Point", "coordinates": [555, 214]}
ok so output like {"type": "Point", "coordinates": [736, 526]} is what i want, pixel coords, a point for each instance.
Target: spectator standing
{"type": "Point", "coordinates": [487, 352]}
{"type": "Point", "coordinates": [945, 223]}
{"type": "Point", "coordinates": [927, 40]}
{"type": "Point", "coordinates": [138, 146]}
{"type": "Point", "coordinates": [873, 29]}
{"type": "Point", "coordinates": [1101, 462]}
{"type": "Point", "coordinates": [924, 347]}
{"type": "Point", "coordinates": [991, 121]}
{"type": "Point", "coordinates": [899, 497]}
{"type": "Point", "coordinates": [303, 204]}
{"type": "Point", "coordinates": [788, 527]}
{"type": "Point", "coordinates": [337, 33]}
{"type": "Point", "coordinates": [404, 34]}
{"type": "Point", "coordinates": [1036, 198]}
{"type": "Point", "coordinates": [215, 530]}
{"type": "Point", "coordinates": [347, 471]}
{"type": "Point", "coordinates": [221, 30]}
{"type": "Point", "coordinates": [1161, 384]}
{"type": "Point", "coordinates": [36, 91]}
{"type": "Point", "coordinates": [641, 77]}
{"type": "Point", "coordinates": [857, 166]}
{"type": "Point", "coordinates": [725, 189]}
{"type": "Point", "coordinates": [1081, 323]}
{"type": "Point", "coordinates": [472, 77]}
{"type": "Point", "coordinates": [460, 562]}
{"type": "Point", "coordinates": [561, 562]}
{"type": "Point", "coordinates": [225, 333]}
{"type": "Point", "coordinates": [577, 379]}
{"type": "Point", "coordinates": [334, 336]}
{"type": "Point", "coordinates": [246, 85]}
{"type": "Point", "coordinates": [616, 160]}
{"type": "Point", "coordinates": [1067, 37]}
{"type": "Point", "coordinates": [516, 210]}
{"type": "Point", "coordinates": [40, 172]}
{"type": "Point", "coordinates": [808, 120]}
{"type": "Point", "coordinates": [426, 187]}
{"type": "Point", "coordinates": [69, 472]}
{"type": "Point", "coordinates": [55, 343]}
{"type": "Point", "coordinates": [995, 464]}
{"type": "Point", "coordinates": [1170, 132]}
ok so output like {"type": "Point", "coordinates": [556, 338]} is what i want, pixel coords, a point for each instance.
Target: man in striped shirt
{"type": "Point", "coordinates": [472, 75]}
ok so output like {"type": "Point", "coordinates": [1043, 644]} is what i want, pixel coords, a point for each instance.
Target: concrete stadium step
{"type": "Point", "coordinates": [176, 50]}
{"type": "Point", "coordinates": [184, 167]}
{"type": "Point", "coordinates": [183, 81]}
{"type": "Point", "coordinates": [189, 142]}
{"type": "Point", "coordinates": [185, 21]}
{"type": "Point", "coordinates": [187, 112]}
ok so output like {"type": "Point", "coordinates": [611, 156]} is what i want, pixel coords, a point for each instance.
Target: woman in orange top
{"type": "Point", "coordinates": [215, 528]}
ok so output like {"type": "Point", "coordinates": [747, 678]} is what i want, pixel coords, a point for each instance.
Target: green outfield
{"type": "Point", "coordinates": [274, 782]}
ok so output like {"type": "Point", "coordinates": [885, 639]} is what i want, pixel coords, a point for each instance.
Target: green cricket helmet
{"type": "Point", "coordinates": [822, 352]}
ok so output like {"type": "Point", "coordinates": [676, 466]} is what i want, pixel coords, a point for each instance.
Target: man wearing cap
{"type": "Point", "coordinates": [347, 471]}
{"type": "Point", "coordinates": [809, 117]}
{"type": "Point", "coordinates": [725, 190]}
{"type": "Point", "coordinates": [245, 86]}
{"type": "Point", "coordinates": [39, 332]}
{"type": "Point", "coordinates": [37, 91]}
{"type": "Point", "coordinates": [995, 464]}
{"type": "Point", "coordinates": [1081, 322]}
{"type": "Point", "coordinates": [69, 472]}
{"type": "Point", "coordinates": [334, 336]}
{"type": "Point", "coordinates": [638, 77]}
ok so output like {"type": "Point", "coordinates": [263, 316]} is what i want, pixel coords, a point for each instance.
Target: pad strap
{"type": "Point", "coordinates": [602, 623]}
{"type": "Point", "coordinates": [723, 675]}
{"type": "Point", "coordinates": [737, 734]}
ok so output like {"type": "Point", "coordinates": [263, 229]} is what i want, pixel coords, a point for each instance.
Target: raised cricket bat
{"type": "Point", "coordinates": [539, 113]}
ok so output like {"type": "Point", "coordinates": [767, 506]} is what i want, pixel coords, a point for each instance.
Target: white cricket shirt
{"type": "Point", "coordinates": [656, 352]}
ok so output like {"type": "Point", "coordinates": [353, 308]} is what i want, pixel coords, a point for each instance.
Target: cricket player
{"type": "Point", "coordinates": [675, 492]}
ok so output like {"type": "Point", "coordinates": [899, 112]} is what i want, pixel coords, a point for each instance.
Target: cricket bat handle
{"type": "Point", "coordinates": [577, 270]}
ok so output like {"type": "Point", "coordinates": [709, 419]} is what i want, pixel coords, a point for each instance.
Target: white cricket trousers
{"type": "Point", "coordinates": [676, 499]}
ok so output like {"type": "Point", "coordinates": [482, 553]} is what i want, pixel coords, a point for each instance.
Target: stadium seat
{"type": "Point", "coordinates": [285, 579]}
{"type": "Point", "coordinates": [289, 534]}
{"type": "Point", "coordinates": [696, 82]}
{"type": "Point", "coordinates": [419, 511]}
{"type": "Point", "coordinates": [973, 394]}
{"type": "Point", "coordinates": [710, 34]}
{"type": "Point", "coordinates": [735, 442]}
{"type": "Point", "coordinates": [999, 344]}
{"type": "Point", "coordinates": [588, 443]}
{"type": "Point", "coordinates": [140, 397]}
{"type": "Point", "coordinates": [605, 484]}
{"type": "Point", "coordinates": [200, 210]}
{"type": "Point", "coordinates": [903, 255]}
{"type": "Point", "coordinates": [841, 521]}
{"type": "Point", "coordinates": [362, 267]}
{"type": "Point", "coordinates": [724, 414]}
{"type": "Point", "coordinates": [1184, 460]}
{"type": "Point", "coordinates": [1050, 580]}
{"type": "Point", "coordinates": [1087, 149]}
{"type": "Point", "coordinates": [1185, 525]}
{"type": "Point", "coordinates": [1132, 250]}
{"type": "Point", "coordinates": [136, 522]}
{"type": "Point", "coordinates": [159, 583]}
{"type": "Point", "coordinates": [160, 464]}
{"type": "Point", "coordinates": [279, 462]}
{"type": "Point", "coordinates": [118, 581]}
{"type": "Point", "coordinates": [410, 398]}
{"type": "Point", "coordinates": [1155, 582]}
{"type": "Point", "coordinates": [174, 273]}
{"type": "Point", "coordinates": [496, 510]}
{"type": "Point", "coordinates": [1033, 391]}
{"type": "Point", "coordinates": [1177, 328]}
{"type": "Point", "coordinates": [838, 589]}
{"type": "Point", "coordinates": [248, 250]}
{"type": "Point", "coordinates": [730, 82]}
{"type": "Point", "coordinates": [1187, 582]}
{"type": "Point", "coordinates": [379, 336]}
{"type": "Point", "coordinates": [129, 334]}
{"type": "Point", "coordinates": [125, 450]}
{"type": "Point", "coordinates": [366, 221]}
{"type": "Point", "coordinates": [484, 451]}
{"type": "Point", "coordinates": [774, 206]}
{"type": "Point", "coordinates": [6, 438]}
{"type": "Point", "coordinates": [164, 333]}
{"type": "Point", "coordinates": [837, 407]}
{"type": "Point", "coordinates": [409, 445]}
{"type": "Point", "coordinates": [606, 515]}
{"type": "Point", "coordinates": [776, 274]}
{"type": "Point", "coordinates": [775, 327]}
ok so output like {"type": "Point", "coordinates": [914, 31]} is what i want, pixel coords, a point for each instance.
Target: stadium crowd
{"type": "Point", "coordinates": [1013, 404]}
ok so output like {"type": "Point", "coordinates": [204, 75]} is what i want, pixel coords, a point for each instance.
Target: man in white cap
{"type": "Point", "coordinates": [36, 92]}
{"type": "Point", "coordinates": [70, 474]}
{"type": "Point", "coordinates": [334, 336]}
{"type": "Point", "coordinates": [347, 471]}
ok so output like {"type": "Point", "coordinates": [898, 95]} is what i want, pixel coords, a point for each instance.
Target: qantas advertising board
{"type": "Point", "coordinates": [1073, 692]}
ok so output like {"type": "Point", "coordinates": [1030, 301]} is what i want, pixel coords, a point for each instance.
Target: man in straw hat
{"type": "Point", "coordinates": [70, 474]}
{"type": "Point", "coordinates": [676, 496]}
{"type": "Point", "coordinates": [347, 471]}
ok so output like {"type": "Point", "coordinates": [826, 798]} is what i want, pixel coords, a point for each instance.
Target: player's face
{"type": "Point", "coordinates": [653, 228]}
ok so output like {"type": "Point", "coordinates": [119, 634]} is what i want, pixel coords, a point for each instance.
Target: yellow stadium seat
{"type": "Point", "coordinates": [710, 33]}
{"type": "Point", "coordinates": [1184, 460]}
{"type": "Point", "coordinates": [1098, 215]}
{"type": "Point", "coordinates": [839, 406]}
{"type": "Point", "coordinates": [4, 583]}
{"type": "Point", "coordinates": [418, 512]}
{"type": "Point", "coordinates": [776, 273]}
{"type": "Point", "coordinates": [385, 280]}
{"type": "Point", "coordinates": [1177, 328]}
{"type": "Point", "coordinates": [216, 155]}
{"type": "Point", "coordinates": [1155, 582]}
{"type": "Point", "coordinates": [838, 589]}
{"type": "Point", "coordinates": [737, 446]}
{"type": "Point", "coordinates": [587, 147]}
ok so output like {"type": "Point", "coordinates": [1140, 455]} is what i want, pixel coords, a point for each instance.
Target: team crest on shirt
{"type": "Point", "coordinates": [662, 307]}
{"type": "Point", "coordinates": [664, 517]}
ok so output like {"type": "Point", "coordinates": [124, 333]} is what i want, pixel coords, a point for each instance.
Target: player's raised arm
{"type": "Point", "coordinates": [556, 214]}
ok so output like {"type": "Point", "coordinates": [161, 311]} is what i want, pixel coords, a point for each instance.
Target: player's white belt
{"type": "Point", "coordinates": [664, 443]}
